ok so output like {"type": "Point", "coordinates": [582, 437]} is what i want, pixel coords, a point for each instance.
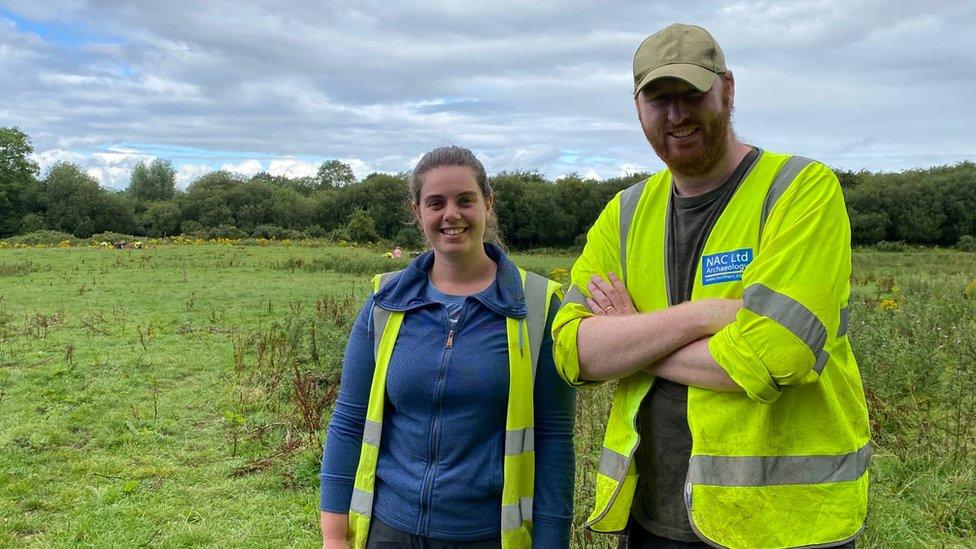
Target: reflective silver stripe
{"type": "Point", "coordinates": [613, 465]}
{"type": "Point", "coordinates": [380, 316]}
{"type": "Point", "coordinates": [386, 277]}
{"type": "Point", "coordinates": [787, 173]}
{"type": "Point", "coordinates": [821, 361]}
{"type": "Point", "coordinates": [667, 254]}
{"type": "Point", "coordinates": [535, 302]}
{"type": "Point", "coordinates": [519, 440]}
{"type": "Point", "coordinates": [792, 315]}
{"type": "Point", "coordinates": [628, 205]}
{"type": "Point", "coordinates": [778, 470]}
{"type": "Point", "coordinates": [845, 314]}
{"type": "Point", "coordinates": [371, 433]}
{"type": "Point", "coordinates": [361, 502]}
{"type": "Point", "coordinates": [514, 515]}
{"type": "Point", "coordinates": [574, 295]}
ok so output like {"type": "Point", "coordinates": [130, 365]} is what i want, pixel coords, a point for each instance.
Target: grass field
{"type": "Point", "coordinates": [177, 395]}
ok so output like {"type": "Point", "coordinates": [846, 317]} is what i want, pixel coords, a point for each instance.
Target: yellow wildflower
{"type": "Point", "coordinates": [888, 305]}
{"type": "Point", "coordinates": [970, 291]}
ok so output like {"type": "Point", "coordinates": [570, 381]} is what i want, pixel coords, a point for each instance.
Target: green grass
{"type": "Point", "coordinates": [148, 397]}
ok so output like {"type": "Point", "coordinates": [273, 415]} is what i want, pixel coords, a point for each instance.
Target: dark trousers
{"type": "Point", "coordinates": [639, 538]}
{"type": "Point", "coordinates": [383, 536]}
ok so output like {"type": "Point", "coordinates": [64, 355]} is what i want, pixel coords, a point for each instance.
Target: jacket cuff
{"type": "Point", "coordinates": [334, 494]}
{"type": "Point", "coordinates": [550, 532]}
{"type": "Point", "coordinates": [732, 352]}
{"type": "Point", "coordinates": [566, 353]}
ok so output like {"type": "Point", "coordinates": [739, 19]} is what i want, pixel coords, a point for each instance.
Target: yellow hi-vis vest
{"type": "Point", "coordinates": [784, 462]}
{"type": "Point", "coordinates": [519, 462]}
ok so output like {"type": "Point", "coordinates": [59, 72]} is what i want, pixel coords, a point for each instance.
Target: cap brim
{"type": "Point", "coordinates": [699, 77]}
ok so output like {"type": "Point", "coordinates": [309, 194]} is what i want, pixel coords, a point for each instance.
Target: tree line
{"type": "Point", "coordinates": [935, 206]}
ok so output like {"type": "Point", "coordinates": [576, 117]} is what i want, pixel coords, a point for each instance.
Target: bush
{"type": "Point", "coordinates": [409, 237]}
{"type": "Point", "coordinates": [868, 227]}
{"type": "Point", "coordinates": [275, 232]}
{"type": "Point", "coordinates": [223, 231]}
{"type": "Point", "coordinates": [46, 237]}
{"type": "Point", "coordinates": [109, 236]}
{"type": "Point", "coordinates": [362, 227]}
{"type": "Point", "coordinates": [338, 234]}
{"type": "Point", "coordinates": [966, 243]}
{"type": "Point", "coordinates": [896, 246]}
{"type": "Point", "coordinates": [316, 231]}
{"type": "Point", "coordinates": [191, 227]}
{"type": "Point", "coordinates": [33, 222]}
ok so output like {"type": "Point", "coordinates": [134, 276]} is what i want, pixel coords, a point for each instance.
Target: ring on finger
{"type": "Point", "coordinates": [608, 308]}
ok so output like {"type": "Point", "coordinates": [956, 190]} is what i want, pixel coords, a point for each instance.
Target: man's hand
{"type": "Point", "coordinates": [612, 299]}
{"type": "Point", "coordinates": [609, 298]}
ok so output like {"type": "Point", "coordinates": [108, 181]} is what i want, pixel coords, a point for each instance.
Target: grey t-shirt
{"type": "Point", "coordinates": [453, 303]}
{"type": "Point", "coordinates": [665, 448]}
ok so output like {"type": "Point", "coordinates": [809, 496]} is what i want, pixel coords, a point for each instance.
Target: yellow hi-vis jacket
{"type": "Point", "coordinates": [519, 461]}
{"type": "Point", "coordinates": [784, 462]}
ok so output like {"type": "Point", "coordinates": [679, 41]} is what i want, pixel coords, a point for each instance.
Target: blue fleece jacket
{"type": "Point", "coordinates": [439, 472]}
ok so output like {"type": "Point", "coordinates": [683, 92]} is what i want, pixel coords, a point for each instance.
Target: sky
{"type": "Point", "coordinates": [544, 86]}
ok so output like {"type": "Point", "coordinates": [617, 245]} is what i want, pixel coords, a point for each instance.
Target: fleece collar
{"type": "Point", "coordinates": [408, 289]}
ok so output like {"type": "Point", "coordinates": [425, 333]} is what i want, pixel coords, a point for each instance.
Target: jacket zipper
{"type": "Point", "coordinates": [432, 447]}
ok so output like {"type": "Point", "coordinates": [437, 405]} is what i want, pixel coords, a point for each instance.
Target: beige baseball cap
{"type": "Point", "coordinates": [685, 52]}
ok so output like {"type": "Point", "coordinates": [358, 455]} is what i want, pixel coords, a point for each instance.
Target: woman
{"type": "Point", "coordinates": [447, 387]}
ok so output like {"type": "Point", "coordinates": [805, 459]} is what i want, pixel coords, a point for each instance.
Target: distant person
{"type": "Point", "coordinates": [716, 292]}
{"type": "Point", "coordinates": [397, 253]}
{"type": "Point", "coordinates": [452, 427]}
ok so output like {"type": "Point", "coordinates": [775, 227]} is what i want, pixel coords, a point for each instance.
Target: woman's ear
{"type": "Point", "coordinates": [490, 201]}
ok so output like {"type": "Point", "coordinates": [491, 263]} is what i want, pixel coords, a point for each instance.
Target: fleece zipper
{"type": "Point", "coordinates": [433, 435]}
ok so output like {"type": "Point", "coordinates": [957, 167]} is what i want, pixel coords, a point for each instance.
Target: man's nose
{"type": "Point", "coordinates": [677, 111]}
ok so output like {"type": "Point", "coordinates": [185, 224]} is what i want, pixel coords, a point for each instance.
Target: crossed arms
{"type": "Point", "coordinates": [671, 343]}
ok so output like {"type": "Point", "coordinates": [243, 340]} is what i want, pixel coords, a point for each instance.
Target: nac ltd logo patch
{"type": "Point", "coordinates": [725, 266]}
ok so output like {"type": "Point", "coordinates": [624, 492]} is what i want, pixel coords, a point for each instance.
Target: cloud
{"type": "Point", "coordinates": [188, 173]}
{"type": "Point", "coordinates": [246, 168]}
{"type": "Point", "coordinates": [111, 168]}
{"type": "Point", "coordinates": [289, 85]}
{"type": "Point", "coordinates": [292, 168]}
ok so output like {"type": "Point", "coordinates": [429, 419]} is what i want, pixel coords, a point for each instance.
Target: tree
{"type": "Point", "coordinates": [17, 172]}
{"type": "Point", "coordinates": [157, 181]}
{"type": "Point", "coordinates": [334, 174]}
{"type": "Point", "coordinates": [206, 199]}
{"type": "Point", "coordinates": [74, 203]}
{"type": "Point", "coordinates": [361, 227]}
{"type": "Point", "coordinates": [384, 197]}
{"type": "Point", "coordinates": [162, 219]}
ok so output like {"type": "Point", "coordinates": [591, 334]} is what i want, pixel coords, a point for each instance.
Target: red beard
{"type": "Point", "coordinates": [709, 151]}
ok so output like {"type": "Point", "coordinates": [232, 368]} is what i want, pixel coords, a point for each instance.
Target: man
{"type": "Point", "coordinates": [739, 417]}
